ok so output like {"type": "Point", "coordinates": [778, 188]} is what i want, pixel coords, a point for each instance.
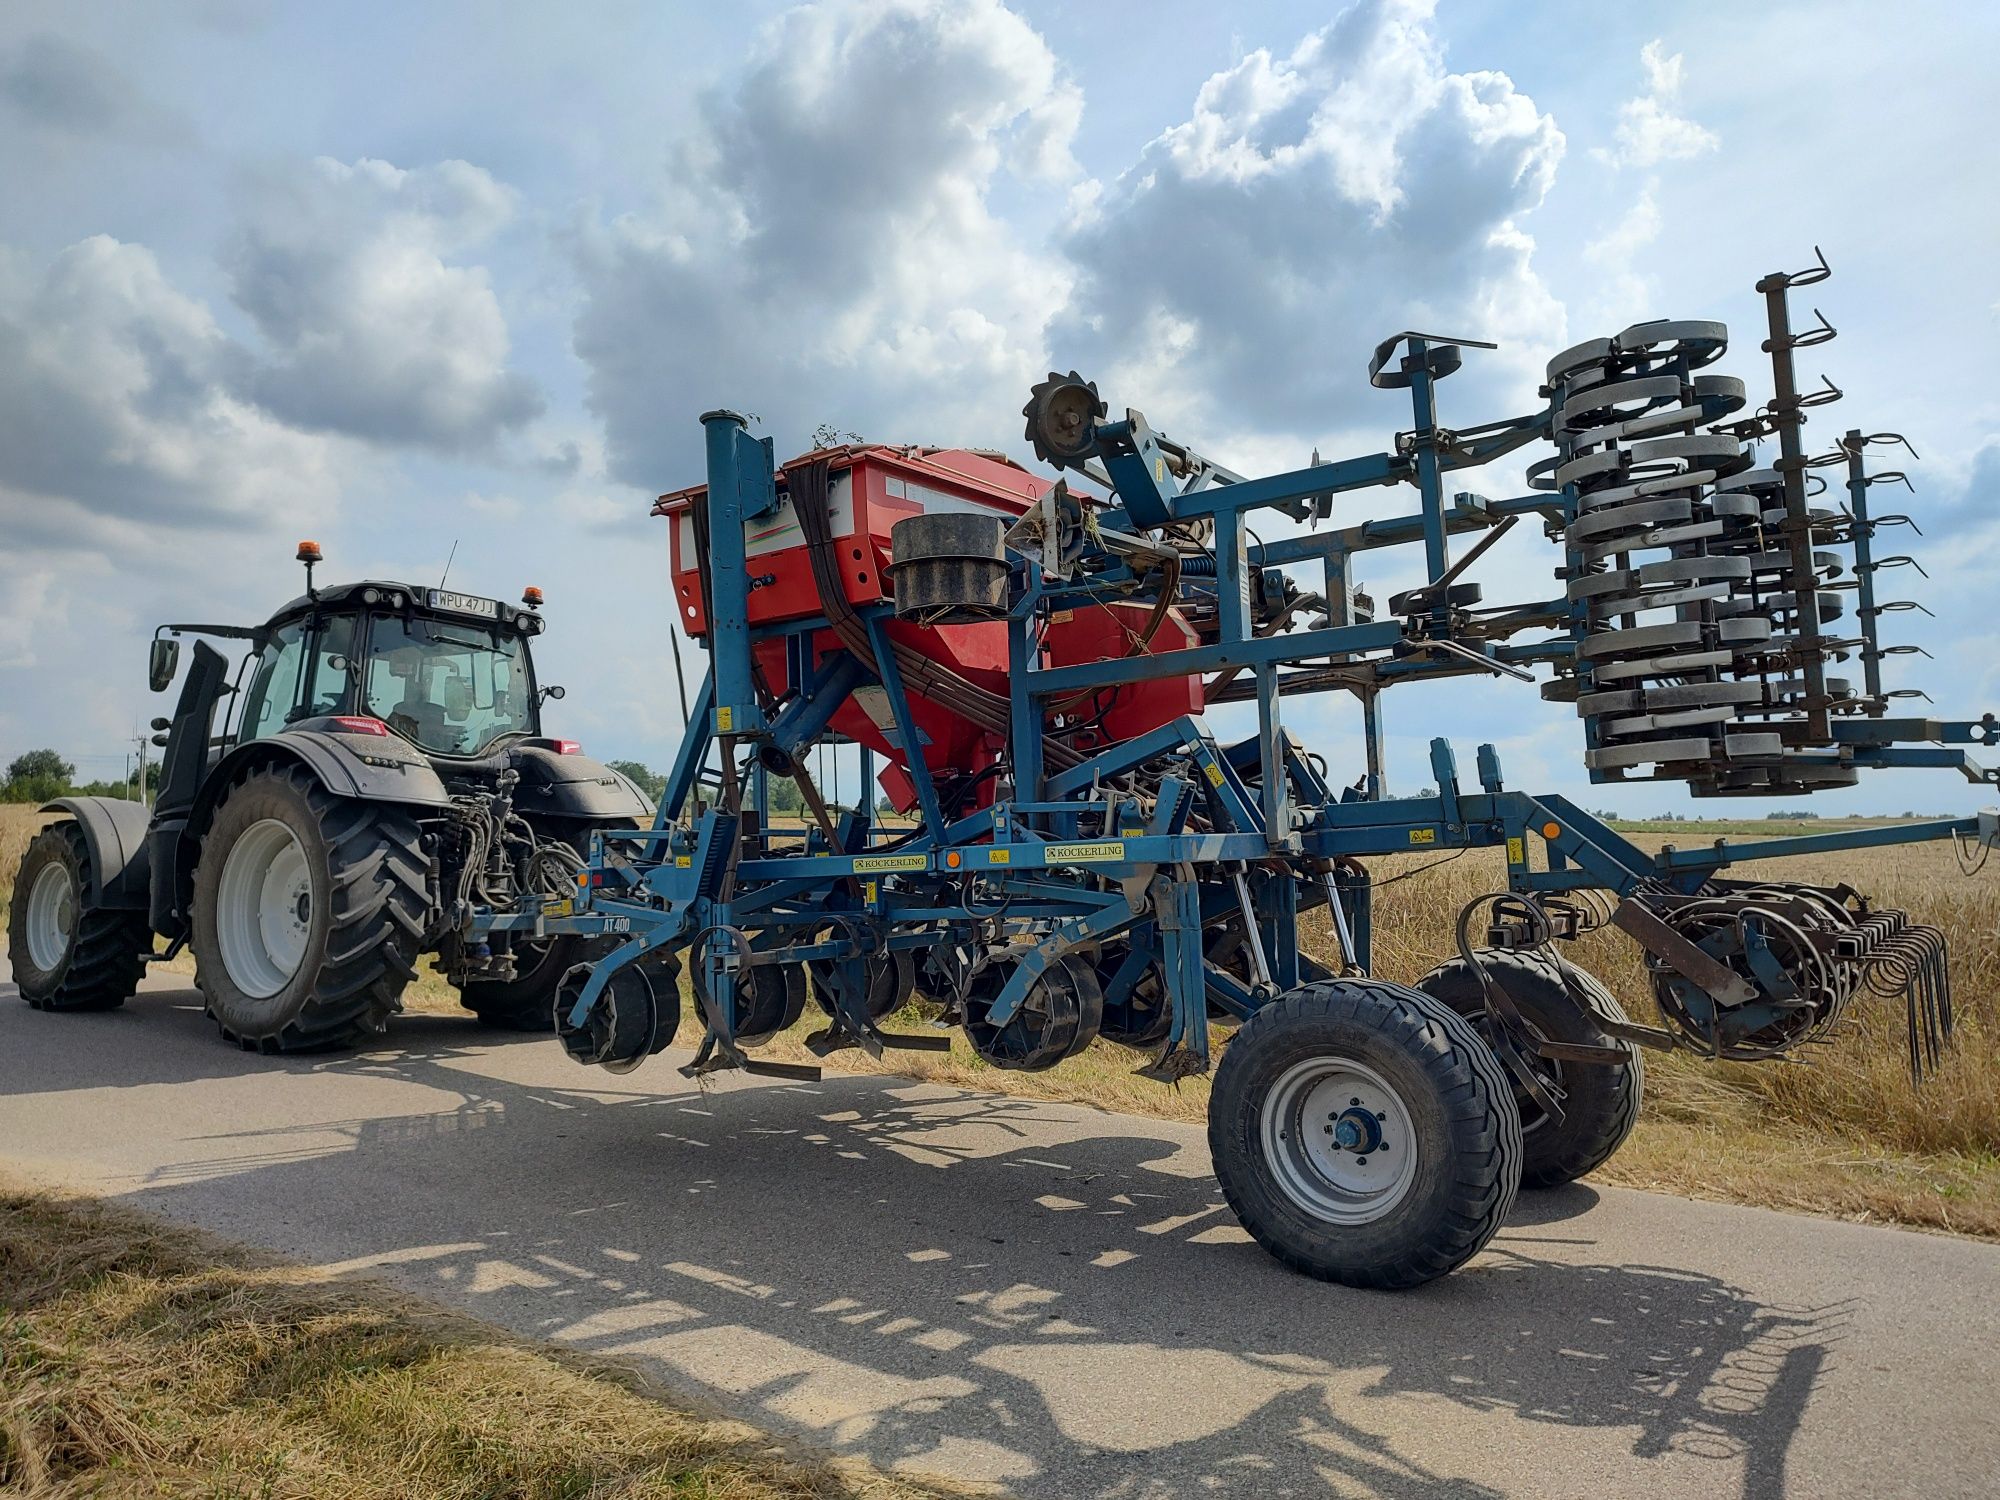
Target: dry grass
{"type": "Point", "coordinates": [19, 822]}
{"type": "Point", "coordinates": [138, 1359]}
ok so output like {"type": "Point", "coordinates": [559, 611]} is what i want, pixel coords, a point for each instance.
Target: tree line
{"type": "Point", "coordinates": [41, 775]}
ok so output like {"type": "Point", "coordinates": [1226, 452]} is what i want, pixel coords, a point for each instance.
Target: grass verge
{"type": "Point", "coordinates": [138, 1358]}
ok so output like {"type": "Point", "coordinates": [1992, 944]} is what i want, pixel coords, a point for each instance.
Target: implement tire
{"type": "Point", "coordinates": [67, 955]}
{"type": "Point", "coordinates": [1601, 1101]}
{"type": "Point", "coordinates": [309, 913]}
{"type": "Point", "coordinates": [1364, 1134]}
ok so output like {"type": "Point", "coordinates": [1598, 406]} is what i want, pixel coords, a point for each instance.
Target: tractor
{"type": "Point", "coordinates": [374, 785]}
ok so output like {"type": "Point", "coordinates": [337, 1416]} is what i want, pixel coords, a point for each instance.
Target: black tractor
{"type": "Point", "coordinates": [373, 786]}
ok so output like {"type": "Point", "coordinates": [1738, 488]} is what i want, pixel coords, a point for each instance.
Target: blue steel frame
{"type": "Point", "coordinates": [1081, 865]}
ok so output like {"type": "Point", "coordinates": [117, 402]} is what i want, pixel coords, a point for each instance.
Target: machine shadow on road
{"type": "Point", "coordinates": [952, 1282]}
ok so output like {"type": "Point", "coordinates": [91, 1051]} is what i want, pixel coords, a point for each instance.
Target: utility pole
{"type": "Point", "coordinates": [144, 741]}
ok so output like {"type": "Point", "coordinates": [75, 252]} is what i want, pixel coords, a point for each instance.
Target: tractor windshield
{"type": "Point", "coordinates": [451, 687]}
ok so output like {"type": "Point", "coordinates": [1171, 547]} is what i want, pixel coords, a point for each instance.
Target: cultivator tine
{"type": "Point", "coordinates": [1910, 962]}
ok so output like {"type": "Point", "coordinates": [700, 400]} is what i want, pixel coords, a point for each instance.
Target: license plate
{"type": "Point", "coordinates": [464, 604]}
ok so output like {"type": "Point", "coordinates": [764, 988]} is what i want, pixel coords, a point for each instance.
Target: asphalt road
{"type": "Point", "coordinates": [1036, 1295]}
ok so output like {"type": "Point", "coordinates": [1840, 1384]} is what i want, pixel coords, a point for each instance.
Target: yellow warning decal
{"type": "Point", "coordinates": [875, 864]}
{"type": "Point", "coordinates": [1517, 851]}
{"type": "Point", "coordinates": [683, 861]}
{"type": "Point", "coordinates": [1423, 835]}
{"type": "Point", "coordinates": [1159, 471]}
{"type": "Point", "coordinates": [562, 906]}
{"type": "Point", "coordinates": [1214, 774]}
{"type": "Point", "coordinates": [1000, 857]}
{"type": "Point", "coordinates": [868, 890]}
{"type": "Point", "coordinates": [1078, 854]}
{"type": "Point", "coordinates": [725, 720]}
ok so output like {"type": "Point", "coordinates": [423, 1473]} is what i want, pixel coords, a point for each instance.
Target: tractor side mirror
{"type": "Point", "coordinates": [554, 690]}
{"type": "Point", "coordinates": [160, 664]}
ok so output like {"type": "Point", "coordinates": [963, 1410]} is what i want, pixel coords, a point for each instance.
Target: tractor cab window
{"type": "Point", "coordinates": [331, 667]}
{"type": "Point", "coordinates": [450, 687]}
{"type": "Point", "coordinates": [274, 683]}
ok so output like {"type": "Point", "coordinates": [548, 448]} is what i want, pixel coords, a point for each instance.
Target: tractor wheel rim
{"type": "Point", "coordinates": [52, 913]}
{"type": "Point", "coordinates": [1339, 1140]}
{"type": "Point", "coordinates": [264, 909]}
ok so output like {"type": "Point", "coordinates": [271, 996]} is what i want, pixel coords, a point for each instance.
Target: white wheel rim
{"type": "Point", "coordinates": [263, 909]}
{"type": "Point", "coordinates": [1338, 1140]}
{"type": "Point", "coordinates": [52, 911]}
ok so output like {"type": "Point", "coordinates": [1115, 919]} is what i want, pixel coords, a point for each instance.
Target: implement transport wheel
{"type": "Point", "coordinates": [309, 912]}
{"type": "Point", "coordinates": [1364, 1134]}
{"type": "Point", "coordinates": [1600, 1101]}
{"type": "Point", "coordinates": [67, 954]}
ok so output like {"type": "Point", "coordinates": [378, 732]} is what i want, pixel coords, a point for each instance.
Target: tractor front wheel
{"type": "Point", "coordinates": [309, 912]}
{"type": "Point", "coordinates": [1364, 1134]}
{"type": "Point", "coordinates": [66, 953]}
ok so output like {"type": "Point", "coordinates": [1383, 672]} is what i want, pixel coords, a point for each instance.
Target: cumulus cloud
{"type": "Point", "coordinates": [1650, 129]}
{"type": "Point", "coordinates": [115, 404]}
{"type": "Point", "coordinates": [373, 329]}
{"type": "Point", "coordinates": [1649, 134]}
{"type": "Point", "coordinates": [1311, 204]}
{"type": "Point", "coordinates": [1621, 291]}
{"type": "Point", "coordinates": [824, 250]}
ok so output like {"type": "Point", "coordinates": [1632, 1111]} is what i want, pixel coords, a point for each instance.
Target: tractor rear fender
{"type": "Point", "coordinates": [366, 767]}
{"type": "Point", "coordinates": [115, 834]}
{"type": "Point", "coordinates": [554, 785]}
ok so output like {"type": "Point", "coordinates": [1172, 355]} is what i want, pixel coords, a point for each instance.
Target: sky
{"type": "Point", "coordinates": [410, 279]}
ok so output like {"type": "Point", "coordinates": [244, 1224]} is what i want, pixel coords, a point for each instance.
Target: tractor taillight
{"type": "Point", "coordinates": [358, 724]}
{"type": "Point", "coordinates": [566, 747]}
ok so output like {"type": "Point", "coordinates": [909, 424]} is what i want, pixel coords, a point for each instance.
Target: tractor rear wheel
{"type": "Point", "coordinates": [1364, 1134]}
{"type": "Point", "coordinates": [309, 913]}
{"type": "Point", "coordinates": [67, 954]}
{"type": "Point", "coordinates": [1600, 1101]}
{"type": "Point", "coordinates": [526, 1002]}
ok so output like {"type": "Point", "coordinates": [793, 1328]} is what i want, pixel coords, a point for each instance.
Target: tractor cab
{"type": "Point", "coordinates": [450, 673]}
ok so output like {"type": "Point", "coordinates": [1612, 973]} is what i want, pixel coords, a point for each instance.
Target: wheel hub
{"type": "Point", "coordinates": [1357, 1130]}
{"type": "Point", "coordinates": [1339, 1140]}
{"type": "Point", "coordinates": [264, 908]}
{"type": "Point", "coordinates": [52, 916]}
